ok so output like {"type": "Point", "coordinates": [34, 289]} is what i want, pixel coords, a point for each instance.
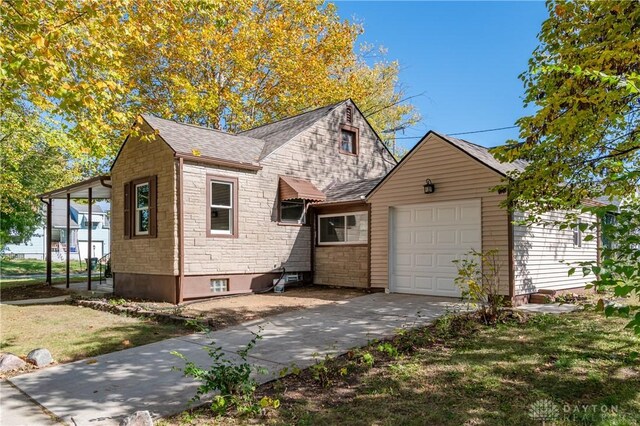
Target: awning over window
{"type": "Point", "coordinates": [294, 188]}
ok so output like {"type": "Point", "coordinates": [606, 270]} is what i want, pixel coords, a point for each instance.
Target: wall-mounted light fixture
{"type": "Point", "coordinates": [429, 187]}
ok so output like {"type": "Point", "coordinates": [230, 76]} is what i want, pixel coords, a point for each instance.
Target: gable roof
{"type": "Point", "coordinates": [84, 208]}
{"type": "Point", "coordinates": [280, 132]}
{"type": "Point", "coordinates": [477, 152]}
{"type": "Point", "coordinates": [351, 191]}
{"type": "Point", "coordinates": [185, 138]}
{"type": "Point", "coordinates": [483, 155]}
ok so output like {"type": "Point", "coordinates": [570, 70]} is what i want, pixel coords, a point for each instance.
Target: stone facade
{"type": "Point", "coordinates": [156, 256]}
{"type": "Point", "coordinates": [342, 265]}
{"type": "Point", "coordinates": [264, 245]}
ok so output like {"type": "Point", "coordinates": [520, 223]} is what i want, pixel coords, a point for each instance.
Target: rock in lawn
{"type": "Point", "coordinates": [139, 418]}
{"type": "Point", "coordinates": [10, 362]}
{"type": "Point", "coordinates": [40, 357]}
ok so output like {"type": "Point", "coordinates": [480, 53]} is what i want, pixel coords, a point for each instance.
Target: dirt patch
{"type": "Point", "coordinates": [223, 312]}
{"type": "Point", "coordinates": [30, 291]}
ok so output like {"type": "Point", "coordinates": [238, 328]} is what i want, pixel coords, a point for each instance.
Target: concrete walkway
{"type": "Point", "coordinates": [549, 308]}
{"type": "Point", "coordinates": [17, 409]}
{"type": "Point", "coordinates": [45, 301]}
{"type": "Point", "coordinates": [103, 390]}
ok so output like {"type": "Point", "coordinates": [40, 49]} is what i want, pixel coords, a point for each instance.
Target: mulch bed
{"type": "Point", "coordinates": [31, 291]}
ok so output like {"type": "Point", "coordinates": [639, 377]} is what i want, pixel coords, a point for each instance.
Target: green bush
{"type": "Point", "coordinates": [232, 380]}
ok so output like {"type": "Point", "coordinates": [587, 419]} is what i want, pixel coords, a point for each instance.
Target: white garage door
{"type": "Point", "coordinates": [425, 238]}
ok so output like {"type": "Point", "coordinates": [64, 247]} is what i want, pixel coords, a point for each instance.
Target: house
{"type": "Point", "coordinates": [197, 212]}
{"type": "Point", "coordinates": [437, 204]}
{"type": "Point", "coordinates": [35, 247]}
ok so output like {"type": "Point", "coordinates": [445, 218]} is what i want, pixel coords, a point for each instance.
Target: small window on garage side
{"type": "Point", "coordinates": [349, 228]}
{"type": "Point", "coordinates": [293, 211]}
{"type": "Point", "coordinates": [222, 200]}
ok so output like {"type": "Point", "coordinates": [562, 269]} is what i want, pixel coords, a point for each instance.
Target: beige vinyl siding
{"type": "Point", "coordinates": [263, 245]}
{"type": "Point", "coordinates": [159, 255]}
{"type": "Point", "coordinates": [539, 251]}
{"type": "Point", "coordinates": [456, 176]}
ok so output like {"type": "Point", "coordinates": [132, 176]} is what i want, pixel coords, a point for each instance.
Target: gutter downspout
{"type": "Point", "coordinates": [179, 292]}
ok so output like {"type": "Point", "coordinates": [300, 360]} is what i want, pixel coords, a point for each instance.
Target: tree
{"type": "Point", "coordinates": [582, 142]}
{"type": "Point", "coordinates": [229, 64]}
{"type": "Point", "coordinates": [33, 158]}
{"type": "Point", "coordinates": [86, 68]}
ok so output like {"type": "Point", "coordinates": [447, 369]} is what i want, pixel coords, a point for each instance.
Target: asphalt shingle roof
{"type": "Point", "coordinates": [280, 132]}
{"type": "Point", "coordinates": [351, 191]}
{"type": "Point", "coordinates": [483, 155]}
{"type": "Point", "coordinates": [185, 138]}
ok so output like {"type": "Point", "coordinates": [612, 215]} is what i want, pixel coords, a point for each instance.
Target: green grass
{"type": "Point", "coordinates": [474, 375]}
{"type": "Point", "coordinates": [34, 266]}
{"type": "Point", "coordinates": [21, 282]}
{"type": "Point", "coordinates": [72, 332]}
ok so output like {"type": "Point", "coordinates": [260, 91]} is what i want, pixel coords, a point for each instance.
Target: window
{"type": "Point", "coordinates": [350, 228]}
{"type": "Point", "coordinates": [219, 286]}
{"type": "Point", "coordinates": [348, 141]}
{"type": "Point", "coordinates": [577, 235]}
{"type": "Point", "coordinates": [292, 211]}
{"type": "Point", "coordinates": [349, 115]}
{"type": "Point", "coordinates": [139, 209]}
{"type": "Point", "coordinates": [349, 136]}
{"type": "Point", "coordinates": [222, 205]}
{"type": "Point", "coordinates": [142, 209]}
{"type": "Point", "coordinates": [85, 223]}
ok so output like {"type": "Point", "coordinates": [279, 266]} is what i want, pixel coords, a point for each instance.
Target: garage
{"type": "Point", "coordinates": [425, 239]}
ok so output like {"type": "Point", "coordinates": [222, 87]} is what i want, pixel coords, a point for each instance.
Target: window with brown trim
{"type": "Point", "coordinates": [222, 206]}
{"type": "Point", "coordinates": [140, 219]}
{"type": "Point", "coordinates": [347, 228]}
{"type": "Point", "coordinates": [293, 211]}
{"type": "Point", "coordinates": [349, 140]}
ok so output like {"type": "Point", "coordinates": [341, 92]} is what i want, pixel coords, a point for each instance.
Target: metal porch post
{"type": "Point", "coordinates": [90, 228]}
{"type": "Point", "coordinates": [68, 234]}
{"type": "Point", "coordinates": [48, 238]}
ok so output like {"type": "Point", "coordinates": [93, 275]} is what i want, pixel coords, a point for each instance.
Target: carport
{"type": "Point", "coordinates": [98, 187]}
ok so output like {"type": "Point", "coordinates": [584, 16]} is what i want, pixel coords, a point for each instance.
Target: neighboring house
{"type": "Point", "coordinates": [198, 212]}
{"type": "Point", "coordinates": [415, 235]}
{"type": "Point", "coordinates": [35, 248]}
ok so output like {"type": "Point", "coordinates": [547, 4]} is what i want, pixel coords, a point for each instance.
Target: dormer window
{"type": "Point", "coordinates": [349, 140]}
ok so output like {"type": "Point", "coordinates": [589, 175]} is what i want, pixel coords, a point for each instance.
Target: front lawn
{"type": "Point", "coordinates": [462, 373]}
{"type": "Point", "coordinates": [35, 266]}
{"type": "Point", "coordinates": [73, 332]}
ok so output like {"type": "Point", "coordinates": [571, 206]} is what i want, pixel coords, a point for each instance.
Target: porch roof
{"type": "Point", "coordinates": [100, 187]}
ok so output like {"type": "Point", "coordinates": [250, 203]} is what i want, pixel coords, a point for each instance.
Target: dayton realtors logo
{"type": "Point", "coordinates": [546, 411]}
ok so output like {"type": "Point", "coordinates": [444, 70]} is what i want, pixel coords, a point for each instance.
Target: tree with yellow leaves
{"type": "Point", "coordinates": [87, 67]}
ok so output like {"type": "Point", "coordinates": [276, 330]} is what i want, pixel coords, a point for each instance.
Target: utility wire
{"type": "Point", "coordinates": [462, 133]}
{"type": "Point", "coordinates": [483, 131]}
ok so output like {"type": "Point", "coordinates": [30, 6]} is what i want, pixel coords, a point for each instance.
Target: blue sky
{"type": "Point", "coordinates": [465, 57]}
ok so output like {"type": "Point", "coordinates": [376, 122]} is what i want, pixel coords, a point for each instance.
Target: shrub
{"type": "Point", "coordinates": [232, 380]}
{"type": "Point", "coordinates": [479, 279]}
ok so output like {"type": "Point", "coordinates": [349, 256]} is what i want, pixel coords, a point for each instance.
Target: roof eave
{"type": "Point", "coordinates": [218, 161]}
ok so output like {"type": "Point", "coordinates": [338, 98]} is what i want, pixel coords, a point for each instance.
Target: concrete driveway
{"type": "Point", "coordinates": [101, 391]}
